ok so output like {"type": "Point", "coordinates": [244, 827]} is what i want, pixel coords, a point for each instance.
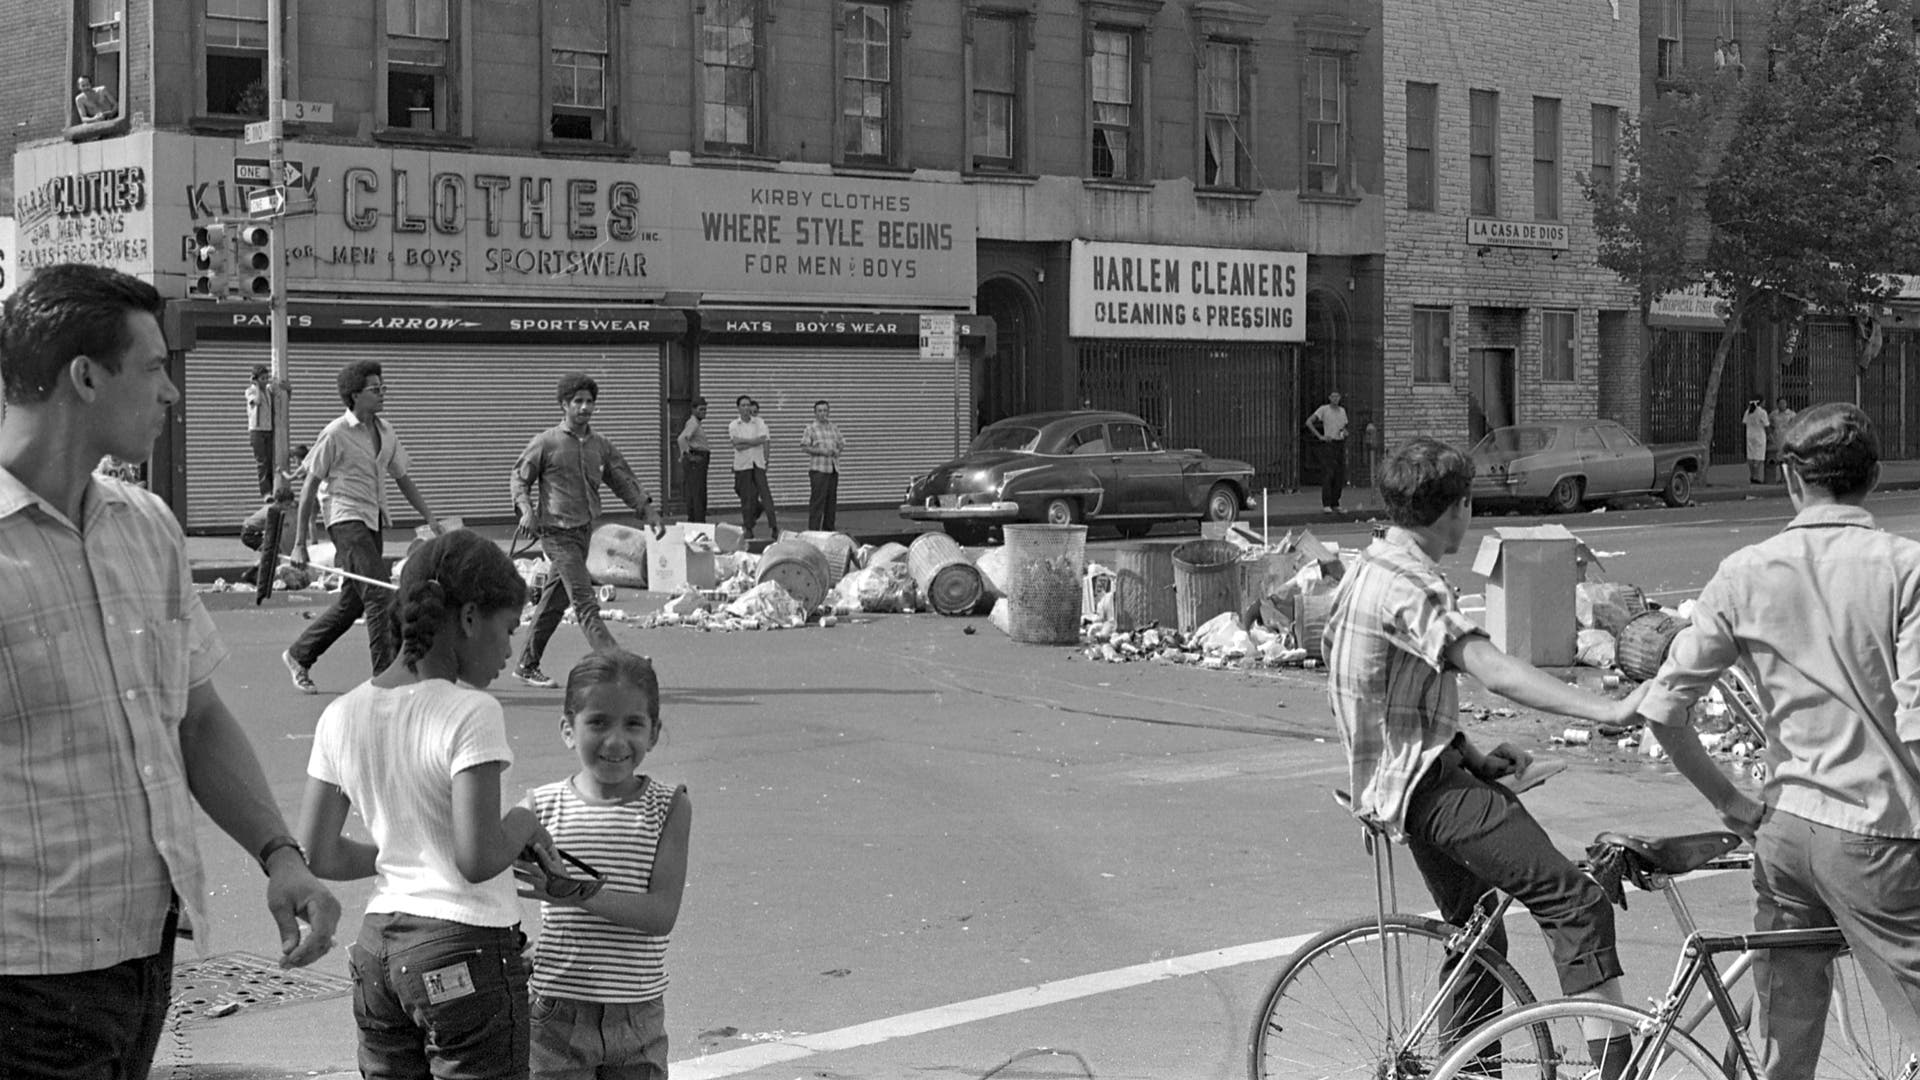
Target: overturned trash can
{"type": "Point", "coordinates": [1044, 564]}
{"type": "Point", "coordinates": [945, 576]}
{"type": "Point", "coordinates": [1205, 580]}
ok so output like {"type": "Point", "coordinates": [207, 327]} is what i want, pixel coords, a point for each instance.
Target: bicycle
{"type": "Point", "coordinates": [1335, 1010]}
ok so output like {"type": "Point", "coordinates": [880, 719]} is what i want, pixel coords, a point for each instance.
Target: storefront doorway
{"type": "Point", "coordinates": [1003, 379]}
{"type": "Point", "coordinates": [1490, 386]}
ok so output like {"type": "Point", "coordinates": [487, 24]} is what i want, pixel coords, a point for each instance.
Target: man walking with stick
{"type": "Point", "coordinates": [346, 473]}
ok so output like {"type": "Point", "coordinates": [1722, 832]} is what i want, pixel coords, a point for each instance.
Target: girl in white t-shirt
{"type": "Point", "coordinates": [420, 751]}
{"type": "Point", "coordinates": [599, 972]}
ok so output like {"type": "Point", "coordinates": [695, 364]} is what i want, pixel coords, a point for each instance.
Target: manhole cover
{"type": "Point", "coordinates": [248, 981]}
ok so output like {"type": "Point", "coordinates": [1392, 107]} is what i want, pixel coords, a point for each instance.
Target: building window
{"type": "Point", "coordinates": [1432, 343]}
{"type": "Point", "coordinates": [1483, 152]}
{"type": "Point", "coordinates": [994, 77]}
{"type": "Point", "coordinates": [579, 41]}
{"type": "Point", "coordinates": [730, 77]}
{"type": "Point", "coordinates": [1667, 58]}
{"type": "Point", "coordinates": [1556, 345]}
{"type": "Point", "coordinates": [867, 84]}
{"type": "Point", "coordinates": [1606, 146]}
{"type": "Point", "coordinates": [1227, 161]}
{"type": "Point", "coordinates": [104, 45]}
{"type": "Point", "coordinates": [236, 44]}
{"type": "Point", "coordinates": [1111, 73]}
{"type": "Point", "coordinates": [1326, 110]}
{"type": "Point", "coordinates": [1546, 159]}
{"type": "Point", "coordinates": [1423, 106]}
{"type": "Point", "coordinates": [419, 63]}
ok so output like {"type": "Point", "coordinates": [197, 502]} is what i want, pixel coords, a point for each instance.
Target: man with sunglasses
{"type": "Point", "coordinates": [345, 475]}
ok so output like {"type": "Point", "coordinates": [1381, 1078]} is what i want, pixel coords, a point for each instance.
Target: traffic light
{"type": "Point", "coordinates": [212, 261]}
{"type": "Point", "coordinates": [256, 261]}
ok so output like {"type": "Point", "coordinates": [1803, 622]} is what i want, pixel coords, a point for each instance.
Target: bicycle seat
{"type": "Point", "coordinates": [1670, 854]}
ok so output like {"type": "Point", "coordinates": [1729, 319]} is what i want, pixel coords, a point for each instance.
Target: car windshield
{"type": "Point", "coordinates": [1008, 437]}
{"type": "Point", "coordinates": [1516, 440]}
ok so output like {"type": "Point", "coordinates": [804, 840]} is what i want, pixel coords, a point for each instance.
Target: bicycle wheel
{"type": "Point", "coordinates": [1511, 1047]}
{"type": "Point", "coordinates": [1327, 1013]}
{"type": "Point", "coordinates": [1861, 1043]}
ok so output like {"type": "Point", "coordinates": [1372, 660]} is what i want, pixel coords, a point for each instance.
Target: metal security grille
{"type": "Point", "coordinates": [464, 411]}
{"type": "Point", "coordinates": [1890, 393]}
{"type": "Point", "coordinates": [1676, 388]}
{"type": "Point", "coordinates": [1237, 401]}
{"type": "Point", "coordinates": [902, 415]}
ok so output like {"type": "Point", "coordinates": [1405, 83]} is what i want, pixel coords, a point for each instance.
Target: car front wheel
{"type": "Point", "coordinates": [1061, 511]}
{"type": "Point", "coordinates": [1222, 503]}
{"type": "Point", "coordinates": [1565, 496]}
{"type": "Point", "coordinates": [1679, 489]}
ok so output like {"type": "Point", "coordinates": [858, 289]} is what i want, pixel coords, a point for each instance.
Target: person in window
{"type": "Point", "coordinates": [93, 102]}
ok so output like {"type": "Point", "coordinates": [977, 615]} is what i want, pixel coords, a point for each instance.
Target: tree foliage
{"type": "Point", "coordinates": [1789, 186]}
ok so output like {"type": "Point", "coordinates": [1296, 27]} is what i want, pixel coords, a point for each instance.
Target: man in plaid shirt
{"type": "Point", "coordinates": [1395, 641]}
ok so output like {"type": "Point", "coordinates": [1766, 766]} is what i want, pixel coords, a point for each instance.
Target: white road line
{"type": "Point", "coordinates": [761, 1055]}
{"type": "Point", "coordinates": [748, 1058]}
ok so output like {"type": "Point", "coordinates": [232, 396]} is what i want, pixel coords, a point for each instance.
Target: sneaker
{"type": "Point", "coordinates": [533, 676]}
{"type": "Point", "coordinates": [302, 681]}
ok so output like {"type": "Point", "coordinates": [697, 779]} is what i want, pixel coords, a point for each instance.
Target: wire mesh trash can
{"type": "Point", "coordinates": [1204, 581]}
{"type": "Point", "coordinates": [1044, 564]}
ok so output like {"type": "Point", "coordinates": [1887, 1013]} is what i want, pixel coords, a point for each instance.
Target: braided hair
{"type": "Point", "coordinates": [444, 575]}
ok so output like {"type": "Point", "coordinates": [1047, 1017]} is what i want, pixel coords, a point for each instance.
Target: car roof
{"type": "Point", "coordinates": [1059, 416]}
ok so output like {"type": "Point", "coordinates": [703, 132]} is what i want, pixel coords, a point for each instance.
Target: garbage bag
{"type": "Point", "coordinates": [885, 587]}
{"type": "Point", "coordinates": [617, 555]}
{"type": "Point", "coordinates": [1222, 636]}
{"type": "Point", "coordinates": [1606, 605]}
{"type": "Point", "coordinates": [993, 565]}
{"type": "Point", "coordinates": [770, 603]}
{"type": "Point", "coordinates": [1594, 648]}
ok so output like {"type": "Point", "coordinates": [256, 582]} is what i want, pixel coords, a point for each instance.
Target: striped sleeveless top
{"type": "Point", "coordinates": [580, 955]}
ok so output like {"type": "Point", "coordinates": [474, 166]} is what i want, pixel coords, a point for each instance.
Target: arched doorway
{"type": "Point", "coordinates": [1003, 379]}
{"type": "Point", "coordinates": [1323, 369]}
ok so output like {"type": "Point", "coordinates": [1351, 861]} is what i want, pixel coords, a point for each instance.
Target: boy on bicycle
{"type": "Point", "coordinates": [1826, 616]}
{"type": "Point", "coordinates": [1395, 643]}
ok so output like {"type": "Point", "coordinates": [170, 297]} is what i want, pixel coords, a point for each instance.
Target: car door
{"type": "Point", "coordinates": [1633, 458]}
{"type": "Point", "coordinates": [1600, 463]}
{"type": "Point", "coordinates": [1145, 477]}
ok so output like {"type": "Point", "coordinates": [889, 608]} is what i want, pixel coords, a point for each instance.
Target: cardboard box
{"type": "Point", "coordinates": [1531, 573]}
{"type": "Point", "coordinates": [674, 564]}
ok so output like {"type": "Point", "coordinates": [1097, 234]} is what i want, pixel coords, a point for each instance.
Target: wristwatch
{"type": "Point", "coordinates": [273, 845]}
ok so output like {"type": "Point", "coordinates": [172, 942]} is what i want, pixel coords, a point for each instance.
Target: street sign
{"type": "Point", "coordinates": [258, 173]}
{"type": "Point", "coordinates": [937, 337]}
{"type": "Point", "coordinates": [266, 202]}
{"type": "Point", "coordinates": [259, 132]}
{"type": "Point", "coordinates": [307, 112]}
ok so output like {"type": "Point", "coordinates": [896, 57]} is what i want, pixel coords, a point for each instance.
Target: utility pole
{"type": "Point", "coordinates": [276, 230]}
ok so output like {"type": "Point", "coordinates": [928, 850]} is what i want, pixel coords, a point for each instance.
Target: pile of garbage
{"type": "Point", "coordinates": [876, 579]}
{"type": "Point", "coordinates": [1276, 616]}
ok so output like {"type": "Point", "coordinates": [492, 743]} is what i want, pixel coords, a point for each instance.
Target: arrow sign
{"type": "Point", "coordinates": [266, 202]}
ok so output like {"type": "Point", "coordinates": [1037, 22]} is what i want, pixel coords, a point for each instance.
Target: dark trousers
{"type": "Point", "coordinates": [89, 1025]}
{"type": "Point", "coordinates": [697, 485]}
{"type": "Point", "coordinates": [566, 552]}
{"type": "Point", "coordinates": [751, 486]}
{"type": "Point", "coordinates": [1333, 472]}
{"type": "Point", "coordinates": [823, 495]}
{"type": "Point", "coordinates": [356, 548]}
{"type": "Point", "coordinates": [441, 999]}
{"type": "Point", "coordinates": [262, 442]}
{"type": "Point", "coordinates": [1467, 835]}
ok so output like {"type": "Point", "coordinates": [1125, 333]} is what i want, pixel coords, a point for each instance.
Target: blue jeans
{"type": "Point", "coordinates": [586, 1040]}
{"type": "Point", "coordinates": [90, 1025]}
{"type": "Point", "coordinates": [566, 552]}
{"type": "Point", "coordinates": [439, 999]}
{"type": "Point", "coordinates": [356, 549]}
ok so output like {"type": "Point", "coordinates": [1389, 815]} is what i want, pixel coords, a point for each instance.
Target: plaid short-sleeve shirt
{"type": "Point", "coordinates": [1394, 698]}
{"type": "Point", "coordinates": [101, 635]}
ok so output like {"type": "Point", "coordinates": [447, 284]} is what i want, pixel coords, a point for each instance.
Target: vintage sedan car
{"type": "Point", "coordinates": [1077, 466]}
{"type": "Point", "coordinates": [1564, 464]}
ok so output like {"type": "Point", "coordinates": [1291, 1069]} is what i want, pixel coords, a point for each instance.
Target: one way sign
{"type": "Point", "coordinates": [258, 173]}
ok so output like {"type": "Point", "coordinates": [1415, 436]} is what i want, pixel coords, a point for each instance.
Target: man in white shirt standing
{"type": "Point", "coordinates": [750, 437]}
{"type": "Point", "coordinates": [1329, 425]}
{"type": "Point", "coordinates": [346, 472]}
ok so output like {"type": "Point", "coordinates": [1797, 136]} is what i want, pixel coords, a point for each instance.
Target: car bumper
{"type": "Point", "coordinates": [1002, 510]}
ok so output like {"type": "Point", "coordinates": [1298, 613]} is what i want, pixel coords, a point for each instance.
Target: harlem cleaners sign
{"type": "Point", "coordinates": [1187, 293]}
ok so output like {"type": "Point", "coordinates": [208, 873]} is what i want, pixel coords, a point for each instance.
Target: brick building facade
{"type": "Point", "coordinates": [1495, 308]}
{"type": "Point", "coordinates": [633, 156]}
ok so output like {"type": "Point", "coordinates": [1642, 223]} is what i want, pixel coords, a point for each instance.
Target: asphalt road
{"type": "Point", "coordinates": [921, 852]}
